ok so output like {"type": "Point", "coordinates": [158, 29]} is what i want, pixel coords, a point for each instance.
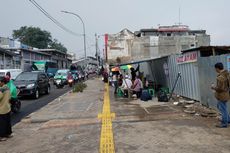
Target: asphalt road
{"type": "Point", "coordinates": [30, 105]}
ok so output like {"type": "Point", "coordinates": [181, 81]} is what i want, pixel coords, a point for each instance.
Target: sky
{"type": "Point", "coordinates": [111, 16]}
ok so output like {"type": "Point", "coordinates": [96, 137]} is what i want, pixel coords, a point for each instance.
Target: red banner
{"type": "Point", "coordinates": [187, 58]}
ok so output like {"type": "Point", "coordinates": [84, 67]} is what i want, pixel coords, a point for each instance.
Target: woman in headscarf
{"type": "Point", "coordinates": [5, 122]}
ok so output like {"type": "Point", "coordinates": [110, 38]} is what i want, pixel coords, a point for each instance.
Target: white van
{"type": "Point", "coordinates": [13, 72]}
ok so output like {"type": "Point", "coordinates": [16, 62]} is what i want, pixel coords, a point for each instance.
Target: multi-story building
{"type": "Point", "coordinates": [148, 43]}
{"type": "Point", "coordinates": [167, 40]}
{"type": "Point", "coordinates": [119, 45]}
{"type": "Point", "coordinates": [25, 55]}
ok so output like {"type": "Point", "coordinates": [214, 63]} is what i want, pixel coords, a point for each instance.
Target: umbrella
{"type": "Point", "coordinates": [115, 69]}
{"type": "Point", "coordinates": [126, 67]}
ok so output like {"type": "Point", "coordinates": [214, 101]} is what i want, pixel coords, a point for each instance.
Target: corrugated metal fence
{"type": "Point", "coordinates": [207, 76]}
{"type": "Point", "coordinates": [196, 78]}
{"type": "Point", "coordinates": [188, 84]}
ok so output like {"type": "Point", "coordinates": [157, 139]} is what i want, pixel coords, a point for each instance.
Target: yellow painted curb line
{"type": "Point", "coordinates": [106, 140]}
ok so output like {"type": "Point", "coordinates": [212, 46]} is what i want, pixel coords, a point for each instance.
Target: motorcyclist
{"type": "Point", "coordinates": [11, 86]}
{"type": "Point", "coordinates": [15, 103]}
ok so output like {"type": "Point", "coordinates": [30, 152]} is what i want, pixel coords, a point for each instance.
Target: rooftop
{"type": "Point", "coordinates": [207, 48]}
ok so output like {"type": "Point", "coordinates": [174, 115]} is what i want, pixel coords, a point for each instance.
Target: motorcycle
{"type": "Point", "coordinates": [15, 105]}
{"type": "Point", "coordinates": [70, 79]}
{"type": "Point", "coordinates": [70, 82]}
{"type": "Point", "coordinates": [59, 83]}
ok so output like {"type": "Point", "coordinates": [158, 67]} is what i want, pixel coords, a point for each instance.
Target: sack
{"type": "Point", "coordinates": [13, 89]}
{"type": "Point", "coordinates": [145, 96]}
{"type": "Point", "coordinates": [162, 96]}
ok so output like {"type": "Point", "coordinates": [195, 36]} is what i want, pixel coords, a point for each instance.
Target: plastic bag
{"type": "Point", "coordinates": [13, 89]}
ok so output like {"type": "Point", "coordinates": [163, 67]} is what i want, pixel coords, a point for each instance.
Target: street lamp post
{"type": "Point", "coordinates": [83, 27]}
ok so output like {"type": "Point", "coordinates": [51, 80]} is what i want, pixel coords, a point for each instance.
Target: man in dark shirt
{"type": "Point", "coordinates": [133, 72]}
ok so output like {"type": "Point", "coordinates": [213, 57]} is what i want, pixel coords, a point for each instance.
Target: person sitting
{"type": "Point", "coordinates": [126, 85]}
{"type": "Point", "coordinates": [137, 86]}
{"type": "Point", "coordinates": [120, 80]}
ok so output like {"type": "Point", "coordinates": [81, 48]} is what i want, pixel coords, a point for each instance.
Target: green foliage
{"type": "Point", "coordinates": [79, 87]}
{"type": "Point", "coordinates": [35, 37]}
{"type": "Point", "coordinates": [57, 45]}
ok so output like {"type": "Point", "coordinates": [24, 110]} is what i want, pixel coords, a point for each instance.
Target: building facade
{"type": "Point", "coordinates": [148, 43]}
{"type": "Point", "coordinates": [6, 59]}
{"type": "Point", "coordinates": [23, 56]}
{"type": "Point", "coordinates": [119, 45]}
{"type": "Point", "coordinates": [58, 57]}
{"type": "Point", "coordinates": [167, 40]}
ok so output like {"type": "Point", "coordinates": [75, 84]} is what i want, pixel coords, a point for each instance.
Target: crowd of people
{"type": "Point", "coordinates": [128, 84]}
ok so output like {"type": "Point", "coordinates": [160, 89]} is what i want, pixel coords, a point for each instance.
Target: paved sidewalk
{"type": "Point", "coordinates": [70, 125]}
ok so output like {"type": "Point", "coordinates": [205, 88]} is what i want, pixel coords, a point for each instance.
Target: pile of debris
{"type": "Point", "coordinates": [195, 108]}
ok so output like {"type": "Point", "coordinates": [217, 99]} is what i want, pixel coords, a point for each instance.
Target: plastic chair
{"type": "Point", "coordinates": [151, 92]}
{"type": "Point", "coordinates": [165, 89]}
{"type": "Point", "coordinates": [119, 92]}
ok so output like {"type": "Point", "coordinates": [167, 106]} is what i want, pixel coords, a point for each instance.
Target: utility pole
{"type": "Point", "coordinates": [83, 28]}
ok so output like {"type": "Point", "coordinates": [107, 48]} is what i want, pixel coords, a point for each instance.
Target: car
{"type": "Point", "coordinates": [32, 83]}
{"type": "Point", "coordinates": [13, 72]}
{"type": "Point", "coordinates": [61, 74]}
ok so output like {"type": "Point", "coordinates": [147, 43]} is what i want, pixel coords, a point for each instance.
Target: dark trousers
{"type": "Point", "coordinates": [115, 86]}
{"type": "Point", "coordinates": [5, 125]}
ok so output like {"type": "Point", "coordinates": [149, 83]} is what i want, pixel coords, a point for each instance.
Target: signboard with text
{"type": "Point", "coordinates": [187, 58]}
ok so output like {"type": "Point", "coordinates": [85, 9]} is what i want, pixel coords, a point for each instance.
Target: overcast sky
{"type": "Point", "coordinates": [111, 16]}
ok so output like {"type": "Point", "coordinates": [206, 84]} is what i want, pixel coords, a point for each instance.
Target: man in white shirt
{"type": "Point", "coordinates": [126, 85]}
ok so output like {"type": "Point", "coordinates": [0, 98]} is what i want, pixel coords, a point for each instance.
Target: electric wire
{"type": "Point", "coordinates": [53, 19]}
{"type": "Point", "coordinates": [57, 22]}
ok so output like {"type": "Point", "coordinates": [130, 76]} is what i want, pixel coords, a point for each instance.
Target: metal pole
{"type": "Point", "coordinates": [174, 86]}
{"type": "Point", "coordinates": [83, 27]}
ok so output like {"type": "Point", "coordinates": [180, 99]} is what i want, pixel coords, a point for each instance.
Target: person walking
{"type": "Point", "coordinates": [222, 93]}
{"type": "Point", "coordinates": [5, 109]}
{"type": "Point", "coordinates": [115, 83]}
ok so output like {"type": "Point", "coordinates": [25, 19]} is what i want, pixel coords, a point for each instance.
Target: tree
{"type": "Point", "coordinates": [33, 36]}
{"type": "Point", "coordinates": [57, 45]}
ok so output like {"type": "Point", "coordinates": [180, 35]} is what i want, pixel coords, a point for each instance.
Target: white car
{"type": "Point", "coordinates": [13, 72]}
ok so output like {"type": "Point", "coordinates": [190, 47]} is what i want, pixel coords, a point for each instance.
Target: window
{"type": "Point", "coordinates": [42, 76]}
{"type": "Point", "coordinates": [169, 34]}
